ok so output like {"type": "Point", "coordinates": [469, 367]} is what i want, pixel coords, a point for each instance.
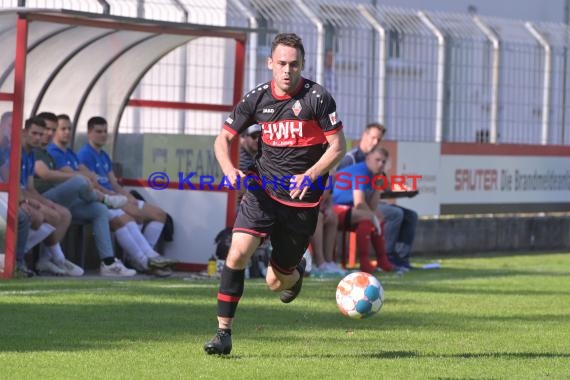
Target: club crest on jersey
{"type": "Point", "coordinates": [297, 108]}
{"type": "Point", "coordinates": [282, 133]}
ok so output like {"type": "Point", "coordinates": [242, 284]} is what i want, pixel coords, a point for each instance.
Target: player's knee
{"type": "Point", "coordinates": [161, 216]}
{"type": "Point", "coordinates": [236, 258]}
{"type": "Point", "coordinates": [81, 181]}
{"type": "Point", "coordinates": [65, 216]}
{"type": "Point", "coordinates": [120, 221]}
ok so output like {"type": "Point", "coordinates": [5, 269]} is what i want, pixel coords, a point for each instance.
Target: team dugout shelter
{"type": "Point", "coordinates": [87, 64]}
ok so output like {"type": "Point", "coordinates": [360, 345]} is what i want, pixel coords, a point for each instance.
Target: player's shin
{"type": "Point", "coordinates": [230, 292]}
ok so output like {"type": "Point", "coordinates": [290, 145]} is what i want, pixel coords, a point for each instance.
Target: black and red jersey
{"type": "Point", "coordinates": [293, 135]}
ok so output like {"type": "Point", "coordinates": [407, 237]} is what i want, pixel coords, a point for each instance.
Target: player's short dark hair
{"type": "Point", "coordinates": [47, 116]}
{"type": "Point", "coordinates": [95, 120]}
{"type": "Point", "coordinates": [36, 120]}
{"type": "Point", "coordinates": [380, 127]}
{"type": "Point", "coordinates": [291, 40]}
{"type": "Point", "coordinates": [63, 116]}
{"type": "Point", "coordinates": [381, 150]}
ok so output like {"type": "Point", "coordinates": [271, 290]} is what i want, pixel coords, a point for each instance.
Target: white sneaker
{"type": "Point", "coordinates": [115, 201]}
{"type": "Point", "coordinates": [72, 269]}
{"type": "Point", "coordinates": [334, 268]}
{"type": "Point", "coordinates": [46, 266]}
{"type": "Point", "coordinates": [117, 269]}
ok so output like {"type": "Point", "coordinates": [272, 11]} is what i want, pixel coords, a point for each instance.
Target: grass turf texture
{"type": "Point", "coordinates": [487, 317]}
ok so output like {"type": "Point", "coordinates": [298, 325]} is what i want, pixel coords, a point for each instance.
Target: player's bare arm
{"type": "Point", "coordinates": [45, 173]}
{"type": "Point", "coordinates": [222, 147]}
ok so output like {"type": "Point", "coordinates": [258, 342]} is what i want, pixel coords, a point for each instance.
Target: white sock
{"type": "Point", "coordinates": [56, 253]}
{"type": "Point", "coordinates": [152, 232]}
{"type": "Point", "coordinates": [129, 245]}
{"type": "Point", "coordinates": [140, 240]}
{"type": "Point", "coordinates": [37, 236]}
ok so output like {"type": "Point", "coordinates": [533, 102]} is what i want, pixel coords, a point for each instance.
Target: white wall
{"type": "Point", "coordinates": [198, 217]}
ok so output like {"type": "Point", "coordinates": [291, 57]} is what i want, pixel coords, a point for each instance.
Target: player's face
{"type": "Point", "coordinates": [33, 136]}
{"type": "Point", "coordinates": [376, 162]}
{"type": "Point", "coordinates": [370, 139]}
{"type": "Point", "coordinates": [286, 63]}
{"type": "Point", "coordinates": [48, 132]}
{"type": "Point", "coordinates": [63, 132]}
{"type": "Point", "coordinates": [98, 135]}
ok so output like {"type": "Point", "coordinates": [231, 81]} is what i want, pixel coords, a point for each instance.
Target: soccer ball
{"type": "Point", "coordinates": [359, 295]}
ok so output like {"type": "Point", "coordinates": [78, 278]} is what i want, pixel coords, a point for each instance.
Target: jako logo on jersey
{"type": "Point", "coordinates": [268, 110]}
{"type": "Point", "coordinates": [279, 133]}
{"type": "Point", "coordinates": [297, 108]}
{"type": "Point", "coordinates": [229, 121]}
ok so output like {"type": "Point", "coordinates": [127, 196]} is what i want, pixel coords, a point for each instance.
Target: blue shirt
{"type": "Point", "coordinates": [27, 168]}
{"type": "Point", "coordinates": [345, 183]}
{"type": "Point", "coordinates": [98, 162]}
{"type": "Point", "coordinates": [63, 158]}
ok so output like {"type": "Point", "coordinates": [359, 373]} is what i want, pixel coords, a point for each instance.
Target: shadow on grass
{"type": "Point", "coordinates": [389, 355]}
{"type": "Point", "coordinates": [75, 315]}
{"type": "Point", "coordinates": [87, 324]}
{"type": "Point", "coordinates": [464, 355]}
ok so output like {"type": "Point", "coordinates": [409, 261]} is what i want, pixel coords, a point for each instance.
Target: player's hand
{"type": "Point", "coordinates": [233, 176]}
{"type": "Point", "coordinates": [299, 185]}
{"type": "Point", "coordinates": [33, 203]}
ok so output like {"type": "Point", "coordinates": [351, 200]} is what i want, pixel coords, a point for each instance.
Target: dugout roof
{"type": "Point", "coordinates": [86, 63]}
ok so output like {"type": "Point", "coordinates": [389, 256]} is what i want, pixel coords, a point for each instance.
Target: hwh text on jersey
{"type": "Point", "coordinates": [283, 132]}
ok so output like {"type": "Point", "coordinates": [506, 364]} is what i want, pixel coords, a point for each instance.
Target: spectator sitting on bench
{"type": "Point", "coordinates": [355, 203]}
{"type": "Point", "coordinates": [399, 222]}
{"type": "Point", "coordinates": [324, 238]}
{"type": "Point", "coordinates": [31, 226]}
{"type": "Point", "coordinates": [75, 192]}
{"type": "Point", "coordinates": [51, 258]}
{"type": "Point", "coordinates": [139, 252]}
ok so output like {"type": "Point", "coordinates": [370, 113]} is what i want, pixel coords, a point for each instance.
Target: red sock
{"type": "Point", "coordinates": [363, 230]}
{"type": "Point", "coordinates": [381, 255]}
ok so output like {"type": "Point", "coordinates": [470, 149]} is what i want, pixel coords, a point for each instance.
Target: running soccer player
{"type": "Point", "coordinates": [301, 141]}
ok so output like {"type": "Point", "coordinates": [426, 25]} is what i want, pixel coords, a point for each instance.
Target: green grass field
{"type": "Point", "coordinates": [488, 317]}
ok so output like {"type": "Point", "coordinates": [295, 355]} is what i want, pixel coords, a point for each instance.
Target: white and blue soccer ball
{"type": "Point", "coordinates": [359, 295]}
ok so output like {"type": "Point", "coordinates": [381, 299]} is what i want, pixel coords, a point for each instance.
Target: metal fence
{"type": "Point", "coordinates": [428, 76]}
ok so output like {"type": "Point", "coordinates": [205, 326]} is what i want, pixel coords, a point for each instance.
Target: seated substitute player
{"type": "Point", "coordinates": [301, 141]}
{"type": "Point", "coordinates": [139, 252]}
{"type": "Point", "coordinates": [74, 191]}
{"type": "Point", "coordinates": [355, 204]}
{"type": "Point", "coordinates": [54, 214]}
{"type": "Point", "coordinates": [98, 164]}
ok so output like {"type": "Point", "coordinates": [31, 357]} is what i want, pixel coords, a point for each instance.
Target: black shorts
{"type": "Point", "coordinates": [290, 228]}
